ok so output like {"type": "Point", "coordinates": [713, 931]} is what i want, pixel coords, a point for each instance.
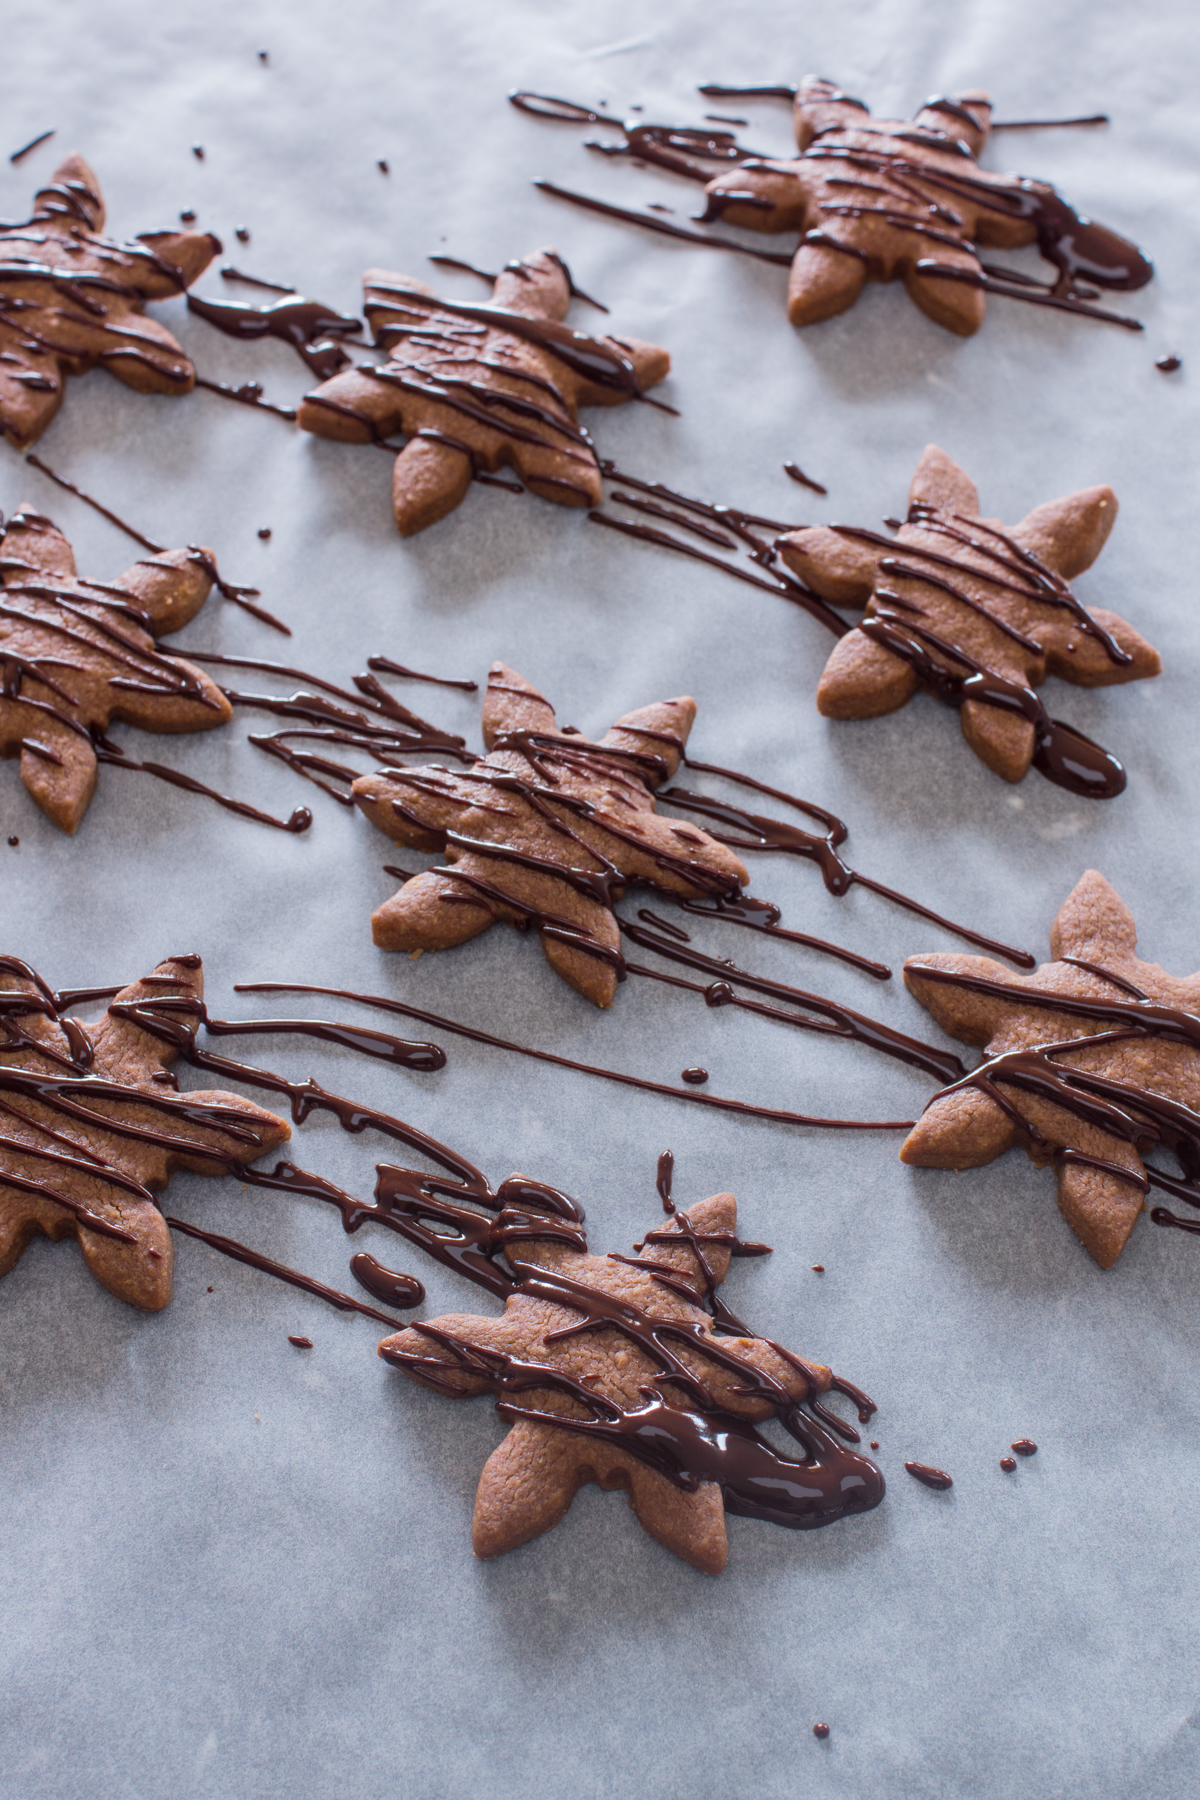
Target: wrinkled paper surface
{"type": "Point", "coordinates": [233, 1568]}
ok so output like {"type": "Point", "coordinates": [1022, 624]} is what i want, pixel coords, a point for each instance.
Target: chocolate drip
{"type": "Point", "coordinates": [519, 269]}
{"type": "Point", "coordinates": [310, 328]}
{"type": "Point", "coordinates": [372, 720]}
{"type": "Point", "coordinates": [1024, 1447]}
{"type": "Point", "coordinates": [1011, 285]}
{"type": "Point", "coordinates": [1169, 364]}
{"type": "Point", "coordinates": [387, 1285]}
{"type": "Point", "coordinates": [387, 666]}
{"type": "Point", "coordinates": [113, 519]}
{"type": "Point", "coordinates": [248, 394]}
{"type": "Point", "coordinates": [682, 149]}
{"type": "Point", "coordinates": [713, 90]}
{"type": "Point", "coordinates": [797, 474]}
{"type": "Point", "coordinates": [173, 1019]}
{"type": "Point", "coordinates": [929, 1477]}
{"type": "Point", "coordinates": [1023, 573]}
{"type": "Point", "coordinates": [442, 1023]}
{"type": "Point", "coordinates": [268, 1266]}
{"type": "Point", "coordinates": [1061, 753]}
{"type": "Point", "coordinates": [20, 155]}
{"type": "Point", "coordinates": [229, 273]}
{"type": "Point", "coordinates": [686, 1445]}
{"type": "Point", "coordinates": [609, 211]}
{"type": "Point", "coordinates": [740, 909]}
{"type": "Point", "coordinates": [1046, 124]}
{"type": "Point", "coordinates": [1008, 1464]}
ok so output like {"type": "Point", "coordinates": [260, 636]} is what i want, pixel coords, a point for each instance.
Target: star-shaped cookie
{"type": "Point", "coordinates": [596, 1325]}
{"type": "Point", "coordinates": [1122, 1050]}
{"type": "Point", "coordinates": [478, 387]}
{"type": "Point", "coordinates": [547, 830]}
{"type": "Point", "coordinates": [77, 654]}
{"type": "Point", "coordinates": [91, 1123]}
{"type": "Point", "coordinates": [954, 581]}
{"type": "Point", "coordinates": [883, 200]}
{"type": "Point", "coordinates": [71, 299]}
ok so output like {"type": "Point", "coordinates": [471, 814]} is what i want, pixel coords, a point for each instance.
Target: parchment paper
{"type": "Point", "coordinates": [234, 1569]}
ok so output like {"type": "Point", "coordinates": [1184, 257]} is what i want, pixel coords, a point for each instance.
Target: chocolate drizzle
{"type": "Point", "coordinates": [797, 474]}
{"type": "Point", "coordinates": [439, 1022]}
{"type": "Point", "coordinates": [241, 596]}
{"type": "Point", "coordinates": [371, 719]}
{"type": "Point", "coordinates": [929, 1477]}
{"type": "Point", "coordinates": [413, 1293]}
{"type": "Point", "coordinates": [754, 832]}
{"type": "Point", "coordinates": [20, 155]}
{"type": "Point", "coordinates": [727, 527]}
{"type": "Point", "coordinates": [310, 328]}
{"type": "Point", "coordinates": [249, 393]}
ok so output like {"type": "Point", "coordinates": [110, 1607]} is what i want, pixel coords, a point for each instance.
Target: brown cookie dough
{"type": "Point", "coordinates": [559, 1319]}
{"type": "Point", "coordinates": [480, 387]}
{"type": "Point", "coordinates": [1125, 1043]}
{"type": "Point", "coordinates": [71, 299]}
{"type": "Point", "coordinates": [547, 830]}
{"type": "Point", "coordinates": [953, 581]}
{"type": "Point", "coordinates": [78, 654]}
{"type": "Point", "coordinates": [91, 1126]}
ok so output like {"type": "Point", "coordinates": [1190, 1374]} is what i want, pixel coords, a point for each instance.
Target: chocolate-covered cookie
{"type": "Point", "coordinates": [1092, 1063]}
{"type": "Point", "coordinates": [977, 614]}
{"type": "Point", "coordinates": [78, 654]}
{"type": "Point", "coordinates": [614, 1370]}
{"type": "Point", "coordinates": [71, 299]}
{"type": "Point", "coordinates": [547, 830]}
{"type": "Point", "coordinates": [478, 387]}
{"type": "Point", "coordinates": [93, 1126]}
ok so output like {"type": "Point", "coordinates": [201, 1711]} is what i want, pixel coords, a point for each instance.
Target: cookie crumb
{"type": "Point", "coordinates": [188, 216]}
{"type": "Point", "coordinates": [210, 1290]}
{"type": "Point", "coordinates": [1169, 364]}
{"type": "Point", "coordinates": [381, 165]}
{"type": "Point", "coordinates": [13, 842]}
{"type": "Point", "coordinates": [262, 56]}
{"type": "Point", "coordinates": [1008, 1464]}
{"type": "Point", "coordinates": [820, 1731]}
{"type": "Point", "coordinates": [818, 1268]}
{"type": "Point", "coordinates": [301, 1343]}
{"type": "Point", "coordinates": [241, 234]}
{"type": "Point", "coordinates": [264, 532]}
{"type": "Point", "coordinates": [874, 1443]}
{"type": "Point", "coordinates": [198, 152]}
